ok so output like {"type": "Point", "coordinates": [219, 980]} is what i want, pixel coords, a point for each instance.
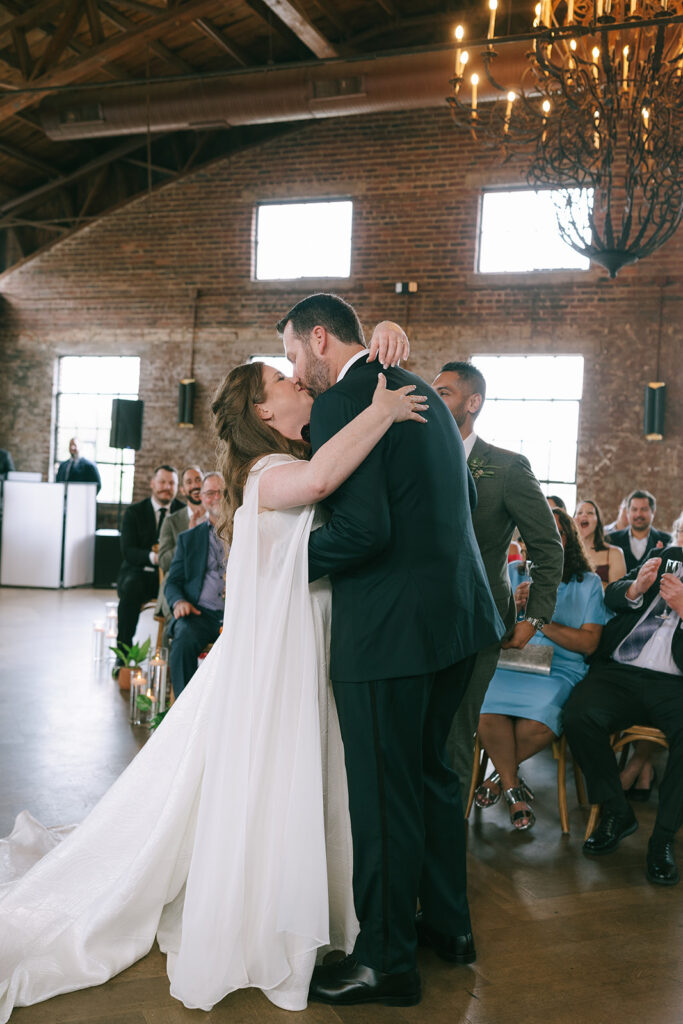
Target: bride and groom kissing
{"type": "Point", "coordinates": [244, 846]}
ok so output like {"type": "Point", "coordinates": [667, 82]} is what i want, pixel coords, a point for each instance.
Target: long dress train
{"type": "Point", "coordinates": [227, 837]}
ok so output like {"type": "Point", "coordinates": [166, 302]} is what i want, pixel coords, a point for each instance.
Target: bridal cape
{"type": "Point", "coordinates": [227, 837]}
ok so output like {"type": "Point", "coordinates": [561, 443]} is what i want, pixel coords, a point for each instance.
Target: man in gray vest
{"type": "Point", "coordinates": [509, 496]}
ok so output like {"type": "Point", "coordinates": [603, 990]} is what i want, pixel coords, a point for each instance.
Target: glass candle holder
{"type": "Point", "coordinates": [112, 619]}
{"type": "Point", "coordinates": [143, 706]}
{"type": "Point", "coordinates": [157, 674]}
{"type": "Point", "coordinates": [98, 640]}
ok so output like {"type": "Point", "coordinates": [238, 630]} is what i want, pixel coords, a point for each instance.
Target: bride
{"type": "Point", "coordinates": [227, 838]}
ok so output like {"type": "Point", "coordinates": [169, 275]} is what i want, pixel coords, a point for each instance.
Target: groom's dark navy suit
{"type": "Point", "coordinates": [411, 607]}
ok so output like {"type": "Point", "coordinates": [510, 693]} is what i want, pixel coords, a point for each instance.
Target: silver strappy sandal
{"type": "Point", "coordinates": [521, 819]}
{"type": "Point", "coordinates": [484, 797]}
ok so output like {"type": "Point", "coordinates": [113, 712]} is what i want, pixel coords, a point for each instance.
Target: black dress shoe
{"type": "Point", "coordinates": [609, 833]}
{"type": "Point", "coordinates": [456, 949]}
{"type": "Point", "coordinates": [661, 863]}
{"type": "Point", "coordinates": [348, 982]}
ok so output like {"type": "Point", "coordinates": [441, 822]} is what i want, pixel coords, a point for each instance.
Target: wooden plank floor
{"type": "Point", "coordinates": [560, 938]}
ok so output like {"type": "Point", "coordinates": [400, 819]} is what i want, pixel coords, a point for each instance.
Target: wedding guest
{"type": "Point", "coordinates": [77, 469]}
{"type": "Point", "coordinates": [556, 502]}
{"type": "Point", "coordinates": [185, 518]}
{"type": "Point", "coordinates": [621, 522]}
{"type": "Point", "coordinates": [195, 587]}
{"type": "Point", "coordinates": [138, 580]}
{"type": "Point", "coordinates": [640, 537]}
{"type": "Point", "coordinates": [635, 677]}
{"type": "Point", "coordinates": [522, 712]}
{"type": "Point", "coordinates": [509, 497]}
{"type": "Point", "coordinates": [606, 559]}
{"type": "Point", "coordinates": [677, 531]}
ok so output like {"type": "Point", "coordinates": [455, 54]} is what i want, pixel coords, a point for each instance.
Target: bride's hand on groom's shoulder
{"type": "Point", "coordinates": [401, 404]}
{"type": "Point", "coordinates": [389, 343]}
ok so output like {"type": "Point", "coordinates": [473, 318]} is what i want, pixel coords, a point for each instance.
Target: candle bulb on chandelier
{"type": "Point", "coordinates": [570, 11]}
{"type": "Point", "coordinates": [493, 4]}
{"type": "Point", "coordinates": [624, 73]}
{"type": "Point", "coordinates": [632, 8]}
{"type": "Point", "coordinates": [508, 112]}
{"type": "Point", "coordinates": [596, 58]}
{"type": "Point", "coordinates": [475, 82]}
{"type": "Point", "coordinates": [596, 133]}
{"type": "Point", "coordinates": [546, 110]}
{"type": "Point", "coordinates": [459, 33]}
{"type": "Point", "coordinates": [598, 9]}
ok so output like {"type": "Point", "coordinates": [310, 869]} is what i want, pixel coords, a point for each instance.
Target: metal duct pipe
{"type": "Point", "coordinates": [331, 89]}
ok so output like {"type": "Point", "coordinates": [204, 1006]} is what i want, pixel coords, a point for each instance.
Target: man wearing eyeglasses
{"type": "Point", "coordinates": [195, 587]}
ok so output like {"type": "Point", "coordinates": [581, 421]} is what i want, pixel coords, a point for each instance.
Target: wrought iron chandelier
{"type": "Point", "coordinates": [598, 112]}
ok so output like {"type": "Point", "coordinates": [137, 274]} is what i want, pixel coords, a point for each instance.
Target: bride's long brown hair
{"type": "Point", "coordinates": [244, 437]}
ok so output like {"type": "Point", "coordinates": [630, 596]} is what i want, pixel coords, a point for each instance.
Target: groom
{"type": "Point", "coordinates": [411, 607]}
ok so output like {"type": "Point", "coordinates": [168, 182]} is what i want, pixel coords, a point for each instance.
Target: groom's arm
{"type": "Point", "coordinates": [360, 526]}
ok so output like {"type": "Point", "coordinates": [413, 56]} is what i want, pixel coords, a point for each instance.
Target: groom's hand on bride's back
{"type": "Point", "coordinates": [389, 343]}
{"type": "Point", "coordinates": [183, 608]}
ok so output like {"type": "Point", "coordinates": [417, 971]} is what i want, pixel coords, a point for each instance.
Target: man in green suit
{"type": "Point", "coordinates": [508, 496]}
{"type": "Point", "coordinates": [410, 608]}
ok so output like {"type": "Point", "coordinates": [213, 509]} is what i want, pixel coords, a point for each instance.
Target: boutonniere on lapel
{"type": "Point", "coordinates": [479, 468]}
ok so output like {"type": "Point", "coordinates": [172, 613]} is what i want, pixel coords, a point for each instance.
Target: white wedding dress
{"type": "Point", "coordinates": [228, 836]}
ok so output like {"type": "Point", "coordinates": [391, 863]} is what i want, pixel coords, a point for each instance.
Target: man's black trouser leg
{"type": "Point", "coordinates": [610, 698]}
{"type": "Point", "coordinates": [406, 811]}
{"type": "Point", "coordinates": [134, 589]}
{"type": "Point", "coordinates": [190, 635]}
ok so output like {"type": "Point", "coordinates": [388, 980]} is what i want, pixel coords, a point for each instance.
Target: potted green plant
{"type": "Point", "coordinates": [132, 656]}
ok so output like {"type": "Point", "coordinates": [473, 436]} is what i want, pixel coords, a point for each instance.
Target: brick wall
{"type": "Point", "coordinates": [125, 285]}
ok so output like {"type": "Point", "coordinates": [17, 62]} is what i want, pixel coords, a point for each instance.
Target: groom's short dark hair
{"type": "Point", "coordinates": [328, 311]}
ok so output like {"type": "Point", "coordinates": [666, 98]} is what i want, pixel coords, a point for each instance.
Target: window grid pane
{"type": "Point", "coordinates": [519, 232]}
{"type": "Point", "coordinates": [86, 387]}
{"type": "Point", "coordinates": [532, 407]}
{"type": "Point", "coordinates": [288, 240]}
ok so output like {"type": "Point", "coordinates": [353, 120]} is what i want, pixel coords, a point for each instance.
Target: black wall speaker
{"type": "Point", "coordinates": [654, 411]}
{"type": "Point", "coordinates": [186, 402]}
{"type": "Point", "coordinates": [126, 423]}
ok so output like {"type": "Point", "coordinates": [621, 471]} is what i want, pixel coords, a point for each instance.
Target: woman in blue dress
{"type": "Point", "coordinates": [522, 712]}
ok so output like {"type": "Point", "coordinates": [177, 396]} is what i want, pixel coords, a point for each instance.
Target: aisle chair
{"type": "Point", "coordinates": [480, 761]}
{"type": "Point", "coordinates": [620, 742]}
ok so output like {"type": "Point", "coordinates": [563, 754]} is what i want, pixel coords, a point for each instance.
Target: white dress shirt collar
{"type": "Point", "coordinates": [468, 444]}
{"type": "Point", "coordinates": [157, 506]}
{"type": "Point", "coordinates": [354, 359]}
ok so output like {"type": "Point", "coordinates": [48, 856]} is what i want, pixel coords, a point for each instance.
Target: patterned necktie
{"type": "Point", "coordinates": [632, 646]}
{"type": "Point", "coordinates": [162, 514]}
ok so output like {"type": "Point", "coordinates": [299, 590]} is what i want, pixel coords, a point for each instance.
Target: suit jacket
{"type": "Point", "coordinates": [139, 533]}
{"type": "Point", "coordinates": [626, 617]}
{"type": "Point", "coordinates": [409, 591]}
{"type": "Point", "coordinates": [621, 539]}
{"type": "Point", "coordinates": [186, 576]}
{"type": "Point", "coordinates": [509, 497]}
{"type": "Point", "coordinates": [79, 471]}
{"type": "Point", "coordinates": [171, 529]}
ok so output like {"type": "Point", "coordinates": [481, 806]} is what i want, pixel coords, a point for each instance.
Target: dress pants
{"type": "Point", "coordinates": [460, 743]}
{"type": "Point", "coordinates": [135, 587]}
{"type": "Point", "coordinates": [190, 635]}
{"type": "Point", "coordinates": [406, 812]}
{"type": "Point", "coordinates": [612, 697]}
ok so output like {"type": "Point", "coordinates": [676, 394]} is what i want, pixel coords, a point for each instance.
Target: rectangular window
{"type": "Point", "coordinates": [86, 386]}
{"type": "Point", "coordinates": [311, 239]}
{"type": "Point", "coordinates": [518, 231]}
{"type": "Point", "coordinates": [532, 407]}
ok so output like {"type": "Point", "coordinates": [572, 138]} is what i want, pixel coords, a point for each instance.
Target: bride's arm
{"type": "Point", "coordinates": [301, 483]}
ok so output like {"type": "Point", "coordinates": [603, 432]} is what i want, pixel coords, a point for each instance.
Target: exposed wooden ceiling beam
{"type": "Point", "coordinates": [390, 7]}
{"type": "Point", "coordinates": [32, 18]}
{"type": "Point", "coordinates": [28, 159]}
{"type": "Point", "coordinates": [304, 29]}
{"type": "Point", "coordinates": [126, 24]}
{"type": "Point", "coordinates": [23, 53]}
{"type": "Point", "coordinates": [94, 22]}
{"type": "Point", "coordinates": [65, 30]}
{"type": "Point", "coordinates": [266, 15]}
{"type": "Point", "coordinates": [221, 40]}
{"type": "Point", "coordinates": [117, 46]}
{"type": "Point", "coordinates": [111, 154]}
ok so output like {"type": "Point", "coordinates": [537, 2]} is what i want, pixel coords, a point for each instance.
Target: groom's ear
{"type": "Point", "coordinates": [318, 340]}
